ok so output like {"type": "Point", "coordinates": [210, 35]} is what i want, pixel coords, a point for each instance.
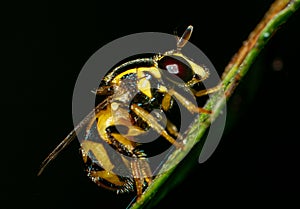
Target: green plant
{"type": "Point", "coordinates": [236, 70]}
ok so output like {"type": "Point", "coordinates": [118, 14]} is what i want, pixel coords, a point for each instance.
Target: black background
{"type": "Point", "coordinates": [44, 46]}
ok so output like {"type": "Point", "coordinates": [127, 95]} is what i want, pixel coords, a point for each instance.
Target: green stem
{"type": "Point", "coordinates": [237, 68]}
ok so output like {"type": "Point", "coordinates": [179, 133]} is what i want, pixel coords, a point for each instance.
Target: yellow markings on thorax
{"type": "Point", "coordinates": [143, 83]}
{"type": "Point", "coordinates": [153, 70]}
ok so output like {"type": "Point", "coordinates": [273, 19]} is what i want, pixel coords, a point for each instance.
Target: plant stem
{"type": "Point", "coordinates": [278, 14]}
{"type": "Point", "coordinates": [237, 68]}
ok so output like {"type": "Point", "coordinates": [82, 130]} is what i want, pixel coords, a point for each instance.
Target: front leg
{"type": "Point", "coordinates": [185, 102]}
{"type": "Point", "coordinates": [208, 91]}
{"type": "Point", "coordinates": [152, 122]}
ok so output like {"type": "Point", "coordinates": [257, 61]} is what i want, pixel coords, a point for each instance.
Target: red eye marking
{"type": "Point", "coordinates": [176, 66]}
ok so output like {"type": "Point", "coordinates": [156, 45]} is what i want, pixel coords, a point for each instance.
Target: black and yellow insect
{"type": "Point", "coordinates": [125, 98]}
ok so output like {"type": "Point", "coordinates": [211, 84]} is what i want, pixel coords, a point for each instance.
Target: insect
{"type": "Point", "coordinates": [126, 96]}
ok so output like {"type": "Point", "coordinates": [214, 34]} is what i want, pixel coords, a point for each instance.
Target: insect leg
{"type": "Point", "coordinates": [151, 121]}
{"type": "Point", "coordinates": [188, 104]}
{"type": "Point", "coordinates": [166, 102]}
{"type": "Point", "coordinates": [208, 91]}
{"type": "Point", "coordinates": [109, 124]}
{"type": "Point", "coordinates": [173, 129]}
{"type": "Point", "coordinates": [141, 173]}
{"type": "Point", "coordinates": [112, 178]}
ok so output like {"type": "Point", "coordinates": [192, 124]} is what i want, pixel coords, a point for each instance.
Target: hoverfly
{"type": "Point", "coordinates": [149, 80]}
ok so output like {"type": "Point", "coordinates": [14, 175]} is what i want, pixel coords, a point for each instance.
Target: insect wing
{"type": "Point", "coordinates": [70, 137]}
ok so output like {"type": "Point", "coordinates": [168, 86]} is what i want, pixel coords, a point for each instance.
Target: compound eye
{"type": "Point", "coordinates": [176, 66]}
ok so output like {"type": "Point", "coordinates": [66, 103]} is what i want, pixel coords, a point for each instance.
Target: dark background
{"type": "Point", "coordinates": [44, 46]}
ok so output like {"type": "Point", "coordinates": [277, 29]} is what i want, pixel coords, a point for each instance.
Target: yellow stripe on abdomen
{"type": "Point", "coordinates": [100, 154]}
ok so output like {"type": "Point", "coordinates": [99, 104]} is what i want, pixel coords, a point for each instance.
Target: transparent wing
{"type": "Point", "coordinates": [57, 150]}
{"type": "Point", "coordinates": [71, 136]}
